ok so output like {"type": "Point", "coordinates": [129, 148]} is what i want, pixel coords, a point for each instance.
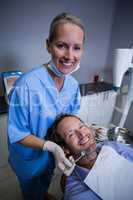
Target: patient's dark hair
{"type": "Point", "coordinates": [52, 133]}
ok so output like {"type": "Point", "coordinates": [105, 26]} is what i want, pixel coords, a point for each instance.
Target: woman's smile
{"type": "Point", "coordinates": [66, 64]}
{"type": "Point", "coordinates": [84, 141]}
{"type": "Point", "coordinates": [67, 48]}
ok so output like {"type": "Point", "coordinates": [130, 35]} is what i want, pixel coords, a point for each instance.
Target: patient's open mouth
{"type": "Point", "coordinates": [84, 141]}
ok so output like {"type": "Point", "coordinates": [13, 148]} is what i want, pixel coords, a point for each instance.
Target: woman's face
{"type": "Point", "coordinates": [77, 135]}
{"type": "Point", "coordinates": [67, 47]}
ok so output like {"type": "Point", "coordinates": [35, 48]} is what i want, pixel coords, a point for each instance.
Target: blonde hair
{"type": "Point", "coordinates": [64, 18]}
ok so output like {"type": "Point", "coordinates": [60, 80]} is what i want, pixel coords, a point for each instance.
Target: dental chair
{"type": "Point", "coordinates": [123, 83]}
{"type": "Point", "coordinates": [123, 110]}
{"type": "Point", "coordinates": [120, 127]}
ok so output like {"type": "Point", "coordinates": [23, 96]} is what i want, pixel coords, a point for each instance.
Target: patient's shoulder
{"type": "Point", "coordinates": [122, 149]}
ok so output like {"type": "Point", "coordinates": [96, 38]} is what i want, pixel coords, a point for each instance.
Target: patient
{"type": "Point", "coordinates": [74, 136]}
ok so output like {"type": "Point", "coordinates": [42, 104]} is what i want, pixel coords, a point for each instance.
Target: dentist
{"type": "Point", "coordinates": [37, 98]}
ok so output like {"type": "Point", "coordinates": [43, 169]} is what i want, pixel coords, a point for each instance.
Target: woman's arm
{"type": "Point", "coordinates": [32, 141]}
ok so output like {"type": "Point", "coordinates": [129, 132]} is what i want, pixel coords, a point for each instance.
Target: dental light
{"type": "Point", "coordinates": [122, 62]}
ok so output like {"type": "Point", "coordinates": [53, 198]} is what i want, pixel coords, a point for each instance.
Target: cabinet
{"type": "Point", "coordinates": [3, 140]}
{"type": "Point", "coordinates": [98, 107]}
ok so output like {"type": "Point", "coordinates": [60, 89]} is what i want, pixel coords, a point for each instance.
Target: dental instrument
{"type": "Point", "coordinates": [84, 153]}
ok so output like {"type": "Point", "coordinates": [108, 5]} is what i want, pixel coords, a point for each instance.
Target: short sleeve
{"type": "Point", "coordinates": [75, 104]}
{"type": "Point", "coordinates": [18, 118]}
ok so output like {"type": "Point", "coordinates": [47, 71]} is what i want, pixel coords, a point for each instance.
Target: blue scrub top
{"type": "Point", "coordinates": [34, 104]}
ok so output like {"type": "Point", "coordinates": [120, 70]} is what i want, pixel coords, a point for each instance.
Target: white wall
{"type": "Point", "coordinates": [24, 27]}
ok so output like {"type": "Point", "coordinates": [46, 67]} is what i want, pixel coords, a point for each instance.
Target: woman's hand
{"type": "Point", "coordinates": [64, 164]}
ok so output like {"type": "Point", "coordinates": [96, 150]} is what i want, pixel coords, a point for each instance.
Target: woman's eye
{"type": "Point", "coordinates": [77, 48]}
{"type": "Point", "coordinates": [82, 126]}
{"type": "Point", "coordinates": [71, 135]}
{"type": "Point", "coordinates": [60, 46]}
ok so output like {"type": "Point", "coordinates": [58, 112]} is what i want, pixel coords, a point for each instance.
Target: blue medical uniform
{"type": "Point", "coordinates": [76, 189]}
{"type": "Point", "coordinates": [34, 104]}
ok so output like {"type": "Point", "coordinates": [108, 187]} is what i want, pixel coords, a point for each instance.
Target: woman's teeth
{"type": "Point", "coordinates": [67, 63]}
{"type": "Point", "coordinates": [83, 141]}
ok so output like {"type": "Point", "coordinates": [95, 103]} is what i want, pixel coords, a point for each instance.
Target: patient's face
{"type": "Point", "coordinates": [76, 134]}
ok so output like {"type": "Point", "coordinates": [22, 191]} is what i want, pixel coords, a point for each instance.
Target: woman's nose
{"type": "Point", "coordinates": [80, 134]}
{"type": "Point", "coordinates": [69, 54]}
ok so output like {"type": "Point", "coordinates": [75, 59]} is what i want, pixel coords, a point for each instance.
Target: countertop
{"type": "Point", "coordinates": [91, 88]}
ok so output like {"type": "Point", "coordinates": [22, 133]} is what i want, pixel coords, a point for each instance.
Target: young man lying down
{"type": "Point", "coordinates": [102, 171]}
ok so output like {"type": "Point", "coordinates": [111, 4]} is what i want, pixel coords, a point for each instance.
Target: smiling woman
{"type": "Point", "coordinates": [65, 44]}
{"type": "Point", "coordinates": [78, 138]}
{"type": "Point", "coordinates": [92, 161]}
{"type": "Point", "coordinates": [67, 47]}
{"type": "Point", "coordinates": [37, 98]}
{"type": "Point", "coordinates": [75, 137]}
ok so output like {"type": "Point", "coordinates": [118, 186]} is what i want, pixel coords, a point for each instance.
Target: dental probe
{"type": "Point", "coordinates": [82, 155]}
